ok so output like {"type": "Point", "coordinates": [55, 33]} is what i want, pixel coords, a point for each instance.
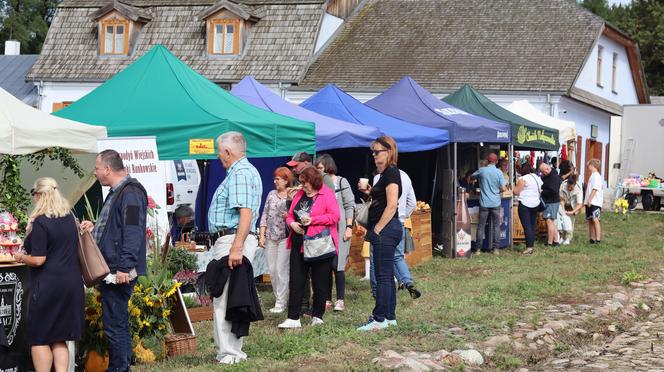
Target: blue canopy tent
{"type": "Point", "coordinates": [412, 139]}
{"type": "Point", "coordinates": [331, 133]}
{"type": "Point", "coordinates": [333, 102]}
{"type": "Point", "coordinates": [407, 100]}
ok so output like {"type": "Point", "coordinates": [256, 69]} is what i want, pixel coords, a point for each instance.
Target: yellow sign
{"type": "Point", "coordinates": [524, 135]}
{"type": "Point", "coordinates": [201, 146]}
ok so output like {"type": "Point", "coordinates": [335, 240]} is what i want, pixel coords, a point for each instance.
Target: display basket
{"type": "Point", "coordinates": [180, 344]}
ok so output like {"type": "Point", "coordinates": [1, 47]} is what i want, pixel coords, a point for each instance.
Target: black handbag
{"type": "Point", "coordinates": [542, 205]}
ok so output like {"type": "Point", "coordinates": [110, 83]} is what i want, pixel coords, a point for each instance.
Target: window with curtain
{"type": "Point", "coordinates": [114, 37]}
{"type": "Point", "coordinates": [224, 38]}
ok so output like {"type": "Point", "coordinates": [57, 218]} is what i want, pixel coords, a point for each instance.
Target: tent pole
{"type": "Point", "coordinates": [510, 157]}
{"type": "Point", "coordinates": [454, 195]}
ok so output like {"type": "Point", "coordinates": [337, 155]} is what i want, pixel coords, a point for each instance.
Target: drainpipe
{"type": "Point", "coordinates": [40, 94]}
{"type": "Point", "coordinates": [548, 100]}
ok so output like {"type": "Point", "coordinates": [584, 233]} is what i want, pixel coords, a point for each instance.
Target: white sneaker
{"type": "Point", "coordinates": [316, 321]}
{"type": "Point", "coordinates": [229, 359]}
{"type": "Point", "coordinates": [277, 310]}
{"type": "Point", "coordinates": [290, 323]}
{"type": "Point", "coordinates": [565, 242]}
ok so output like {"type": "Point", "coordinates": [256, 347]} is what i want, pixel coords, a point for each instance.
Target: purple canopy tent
{"type": "Point", "coordinates": [330, 133]}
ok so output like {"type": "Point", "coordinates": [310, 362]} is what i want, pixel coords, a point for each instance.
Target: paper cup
{"type": "Point", "coordinates": [364, 182]}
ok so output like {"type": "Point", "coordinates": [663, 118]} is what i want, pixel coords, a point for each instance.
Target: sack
{"type": "Point", "coordinates": [362, 213]}
{"type": "Point", "coordinates": [93, 265]}
{"type": "Point", "coordinates": [319, 247]}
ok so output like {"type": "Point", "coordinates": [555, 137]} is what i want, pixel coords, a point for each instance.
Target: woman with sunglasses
{"type": "Point", "coordinates": [272, 237]}
{"type": "Point", "coordinates": [384, 231]}
{"type": "Point", "coordinates": [55, 314]}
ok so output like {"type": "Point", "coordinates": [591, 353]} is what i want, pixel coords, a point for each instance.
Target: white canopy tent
{"type": "Point", "coordinates": [26, 130]}
{"type": "Point", "coordinates": [566, 128]}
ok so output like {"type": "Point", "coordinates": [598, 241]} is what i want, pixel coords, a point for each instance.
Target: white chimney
{"type": "Point", "coordinates": [12, 47]}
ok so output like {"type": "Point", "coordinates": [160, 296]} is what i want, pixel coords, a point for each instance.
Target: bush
{"type": "Point", "coordinates": [632, 276]}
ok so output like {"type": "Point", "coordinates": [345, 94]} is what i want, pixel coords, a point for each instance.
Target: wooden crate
{"type": "Point", "coordinates": [518, 234]}
{"type": "Point", "coordinates": [199, 314]}
{"type": "Point", "coordinates": [421, 237]}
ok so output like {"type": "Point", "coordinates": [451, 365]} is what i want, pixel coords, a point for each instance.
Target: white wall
{"type": "Point", "coordinates": [645, 124]}
{"type": "Point", "coordinates": [59, 92]}
{"type": "Point", "coordinates": [625, 88]}
{"type": "Point", "coordinates": [585, 116]}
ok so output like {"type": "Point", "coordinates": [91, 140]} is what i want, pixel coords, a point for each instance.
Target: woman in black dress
{"type": "Point", "coordinates": [55, 310]}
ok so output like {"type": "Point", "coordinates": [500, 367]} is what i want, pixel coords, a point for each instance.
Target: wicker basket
{"type": "Point", "coordinates": [180, 344]}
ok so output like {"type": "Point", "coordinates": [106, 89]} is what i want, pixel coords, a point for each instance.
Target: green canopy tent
{"type": "Point", "coordinates": [525, 133]}
{"type": "Point", "coordinates": [159, 95]}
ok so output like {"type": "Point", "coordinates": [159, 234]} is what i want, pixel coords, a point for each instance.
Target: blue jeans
{"type": "Point", "coordinates": [401, 271]}
{"type": "Point", "coordinates": [115, 315]}
{"type": "Point", "coordinates": [384, 248]}
{"type": "Point", "coordinates": [494, 228]}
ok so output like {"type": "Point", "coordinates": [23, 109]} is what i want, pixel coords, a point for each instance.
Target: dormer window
{"type": "Point", "coordinates": [118, 25]}
{"type": "Point", "coordinates": [225, 38]}
{"type": "Point", "coordinates": [115, 36]}
{"type": "Point", "coordinates": [227, 25]}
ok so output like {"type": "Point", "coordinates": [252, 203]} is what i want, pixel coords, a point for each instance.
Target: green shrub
{"type": "Point", "coordinates": [181, 260]}
{"type": "Point", "coordinates": [632, 276]}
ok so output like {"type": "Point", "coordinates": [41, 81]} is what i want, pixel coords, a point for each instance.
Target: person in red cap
{"type": "Point", "coordinates": [492, 183]}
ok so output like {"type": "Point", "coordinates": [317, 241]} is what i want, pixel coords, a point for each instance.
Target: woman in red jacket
{"type": "Point", "coordinates": [314, 214]}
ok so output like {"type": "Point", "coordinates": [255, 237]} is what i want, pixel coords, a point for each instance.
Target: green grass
{"type": "Point", "coordinates": [483, 296]}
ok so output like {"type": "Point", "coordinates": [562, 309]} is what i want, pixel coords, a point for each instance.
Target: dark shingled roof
{"type": "Point", "coordinates": [279, 46]}
{"type": "Point", "coordinates": [493, 45]}
{"type": "Point", "coordinates": [12, 77]}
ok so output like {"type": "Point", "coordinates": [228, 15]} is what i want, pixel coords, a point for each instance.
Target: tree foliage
{"type": "Point", "coordinates": [644, 21]}
{"type": "Point", "coordinates": [14, 197]}
{"type": "Point", "coordinates": [26, 21]}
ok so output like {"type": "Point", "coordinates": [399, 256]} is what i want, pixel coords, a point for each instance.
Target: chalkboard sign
{"type": "Point", "coordinates": [14, 295]}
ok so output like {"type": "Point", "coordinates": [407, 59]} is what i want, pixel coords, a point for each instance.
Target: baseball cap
{"type": "Point", "coordinates": [492, 158]}
{"type": "Point", "coordinates": [298, 158]}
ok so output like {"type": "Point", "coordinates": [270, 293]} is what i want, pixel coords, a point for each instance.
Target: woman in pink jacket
{"type": "Point", "coordinates": [314, 213]}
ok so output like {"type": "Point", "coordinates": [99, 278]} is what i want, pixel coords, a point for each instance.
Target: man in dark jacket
{"type": "Point", "coordinates": [120, 235]}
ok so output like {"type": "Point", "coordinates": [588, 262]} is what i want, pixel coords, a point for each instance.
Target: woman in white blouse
{"type": "Point", "coordinates": [528, 188]}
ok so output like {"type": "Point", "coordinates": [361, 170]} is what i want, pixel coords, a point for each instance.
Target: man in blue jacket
{"type": "Point", "coordinates": [120, 235]}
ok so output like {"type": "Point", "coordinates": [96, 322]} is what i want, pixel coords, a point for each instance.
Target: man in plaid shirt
{"type": "Point", "coordinates": [233, 213]}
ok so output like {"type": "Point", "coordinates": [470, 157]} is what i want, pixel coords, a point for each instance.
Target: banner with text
{"type": "Point", "coordinates": [141, 160]}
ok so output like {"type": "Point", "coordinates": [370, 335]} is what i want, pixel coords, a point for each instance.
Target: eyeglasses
{"type": "Point", "coordinates": [377, 152]}
{"type": "Point", "coordinates": [33, 192]}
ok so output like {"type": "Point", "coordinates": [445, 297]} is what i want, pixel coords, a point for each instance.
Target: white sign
{"type": "Point", "coordinates": [141, 160]}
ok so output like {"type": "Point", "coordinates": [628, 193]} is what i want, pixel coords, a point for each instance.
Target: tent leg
{"type": "Point", "coordinates": [510, 156]}
{"type": "Point", "coordinates": [454, 196]}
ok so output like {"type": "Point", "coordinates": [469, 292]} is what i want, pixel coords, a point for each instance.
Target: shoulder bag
{"type": "Point", "coordinates": [542, 205]}
{"type": "Point", "coordinates": [362, 213]}
{"type": "Point", "coordinates": [319, 246]}
{"type": "Point", "coordinates": [93, 265]}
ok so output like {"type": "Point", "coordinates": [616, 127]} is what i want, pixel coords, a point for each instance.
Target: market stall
{"type": "Point", "coordinates": [159, 95]}
{"type": "Point", "coordinates": [472, 136]}
{"type": "Point", "coordinates": [526, 135]}
{"type": "Point", "coordinates": [418, 146]}
{"type": "Point", "coordinates": [26, 130]}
